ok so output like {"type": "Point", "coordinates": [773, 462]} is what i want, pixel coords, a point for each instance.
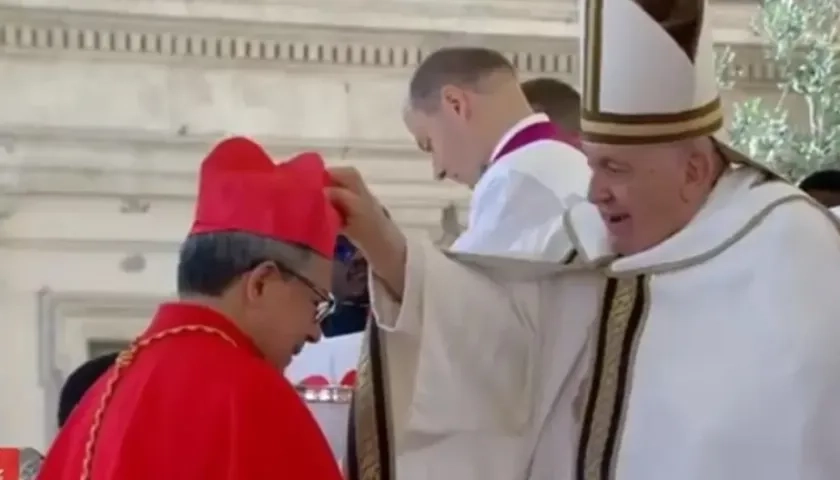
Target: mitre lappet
{"type": "Point", "coordinates": [649, 74]}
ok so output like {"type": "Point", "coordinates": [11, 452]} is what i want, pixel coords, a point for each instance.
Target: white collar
{"type": "Point", "coordinates": [518, 127]}
{"type": "Point", "coordinates": [735, 206]}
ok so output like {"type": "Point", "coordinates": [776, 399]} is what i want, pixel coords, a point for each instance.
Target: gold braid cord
{"type": "Point", "coordinates": [124, 360]}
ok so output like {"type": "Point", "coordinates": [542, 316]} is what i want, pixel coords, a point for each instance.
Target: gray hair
{"type": "Point", "coordinates": [210, 262]}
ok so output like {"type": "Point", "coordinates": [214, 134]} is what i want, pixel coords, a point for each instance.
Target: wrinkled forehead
{"type": "Point", "coordinates": [631, 154]}
{"type": "Point", "coordinates": [604, 151]}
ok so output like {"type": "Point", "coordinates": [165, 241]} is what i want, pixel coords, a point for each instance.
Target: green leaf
{"type": "Point", "coordinates": [803, 41]}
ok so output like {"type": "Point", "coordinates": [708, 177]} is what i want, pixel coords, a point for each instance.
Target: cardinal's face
{"type": "Point", "coordinates": [311, 304]}
{"type": "Point", "coordinates": [286, 307]}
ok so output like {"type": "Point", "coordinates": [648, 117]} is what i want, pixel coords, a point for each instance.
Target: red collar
{"type": "Point", "coordinates": [177, 314]}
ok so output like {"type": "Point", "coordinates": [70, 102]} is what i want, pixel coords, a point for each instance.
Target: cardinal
{"type": "Point", "coordinates": [200, 395]}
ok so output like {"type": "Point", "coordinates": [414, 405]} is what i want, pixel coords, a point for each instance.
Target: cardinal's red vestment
{"type": "Point", "coordinates": [194, 401]}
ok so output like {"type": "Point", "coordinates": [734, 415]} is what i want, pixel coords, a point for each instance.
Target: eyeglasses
{"type": "Point", "coordinates": [326, 303]}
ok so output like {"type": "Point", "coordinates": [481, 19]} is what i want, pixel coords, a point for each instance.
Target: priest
{"type": "Point", "coordinates": [669, 347]}
{"type": "Point", "coordinates": [200, 394]}
{"type": "Point", "coordinates": [79, 382]}
{"type": "Point", "coordinates": [467, 109]}
{"type": "Point", "coordinates": [558, 100]}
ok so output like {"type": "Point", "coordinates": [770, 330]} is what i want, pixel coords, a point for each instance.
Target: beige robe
{"type": "Point", "coordinates": [710, 356]}
{"type": "Point", "coordinates": [515, 212]}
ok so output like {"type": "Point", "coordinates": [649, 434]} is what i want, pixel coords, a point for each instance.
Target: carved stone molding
{"type": "Point", "coordinates": [14, 136]}
{"type": "Point", "coordinates": [256, 44]}
{"type": "Point", "coordinates": [147, 186]}
{"type": "Point", "coordinates": [25, 31]}
{"type": "Point", "coordinates": [140, 166]}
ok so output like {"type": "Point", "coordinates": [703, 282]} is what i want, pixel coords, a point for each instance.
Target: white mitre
{"type": "Point", "coordinates": [649, 74]}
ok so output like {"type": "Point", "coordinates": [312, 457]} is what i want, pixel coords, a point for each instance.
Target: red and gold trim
{"type": "Point", "coordinates": [125, 360]}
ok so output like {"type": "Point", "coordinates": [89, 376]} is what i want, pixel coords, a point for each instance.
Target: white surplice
{"type": "Point", "coordinates": [712, 356]}
{"type": "Point", "coordinates": [517, 205]}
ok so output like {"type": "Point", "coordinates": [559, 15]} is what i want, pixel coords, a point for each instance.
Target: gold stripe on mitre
{"type": "Point", "coordinates": [599, 127]}
{"type": "Point", "coordinates": [646, 72]}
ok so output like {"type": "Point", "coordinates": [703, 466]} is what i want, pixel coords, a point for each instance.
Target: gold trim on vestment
{"type": "Point", "coordinates": [621, 323]}
{"type": "Point", "coordinates": [364, 416]}
{"type": "Point", "coordinates": [369, 455]}
{"type": "Point", "coordinates": [124, 360]}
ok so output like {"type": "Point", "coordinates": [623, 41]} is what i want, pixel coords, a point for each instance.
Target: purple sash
{"type": "Point", "coordinates": [536, 132]}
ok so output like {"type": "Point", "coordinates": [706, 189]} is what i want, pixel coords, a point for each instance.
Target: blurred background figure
{"type": "Point", "coordinates": [824, 186]}
{"type": "Point", "coordinates": [556, 99]}
{"type": "Point", "coordinates": [350, 290]}
{"type": "Point", "coordinates": [79, 382]}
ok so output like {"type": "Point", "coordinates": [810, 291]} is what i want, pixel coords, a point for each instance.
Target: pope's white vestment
{"type": "Point", "coordinates": [711, 356]}
{"type": "Point", "coordinates": [513, 213]}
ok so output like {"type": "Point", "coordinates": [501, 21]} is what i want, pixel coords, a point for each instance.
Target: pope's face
{"type": "Point", "coordinates": [644, 193]}
{"type": "Point", "coordinates": [447, 134]}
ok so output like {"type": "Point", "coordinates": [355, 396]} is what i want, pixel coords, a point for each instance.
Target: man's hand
{"type": "Point", "coordinates": [368, 227]}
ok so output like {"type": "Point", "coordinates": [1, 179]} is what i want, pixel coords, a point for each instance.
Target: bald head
{"type": "Point", "coordinates": [556, 99]}
{"type": "Point", "coordinates": [464, 67]}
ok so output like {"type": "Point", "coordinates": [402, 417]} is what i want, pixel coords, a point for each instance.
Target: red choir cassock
{"type": "Point", "coordinates": [193, 398]}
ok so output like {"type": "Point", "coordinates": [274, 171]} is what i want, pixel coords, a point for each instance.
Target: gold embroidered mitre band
{"type": "Point", "coordinates": [649, 71]}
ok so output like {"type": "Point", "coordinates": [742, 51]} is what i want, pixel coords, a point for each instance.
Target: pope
{"type": "Point", "coordinates": [692, 334]}
{"type": "Point", "coordinates": [200, 394]}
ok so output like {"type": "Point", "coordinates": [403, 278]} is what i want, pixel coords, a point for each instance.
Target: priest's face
{"type": "Point", "coordinates": [447, 131]}
{"type": "Point", "coordinates": [646, 193]}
